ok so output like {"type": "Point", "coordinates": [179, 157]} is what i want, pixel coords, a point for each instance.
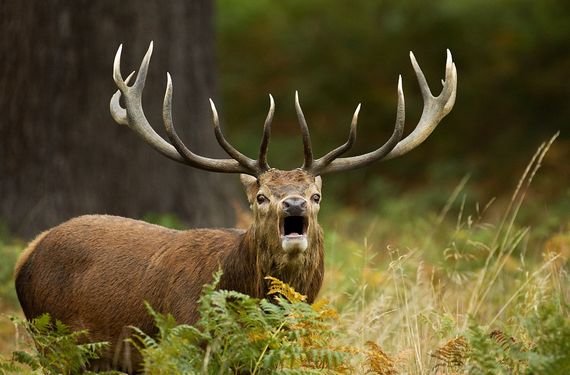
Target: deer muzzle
{"type": "Point", "coordinates": [293, 225]}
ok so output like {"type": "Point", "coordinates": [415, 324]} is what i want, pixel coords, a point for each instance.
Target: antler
{"type": "Point", "coordinates": [435, 109]}
{"type": "Point", "coordinates": [133, 116]}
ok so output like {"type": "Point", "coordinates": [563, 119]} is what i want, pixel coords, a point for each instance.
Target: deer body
{"type": "Point", "coordinates": [95, 272]}
{"type": "Point", "coordinates": [118, 263]}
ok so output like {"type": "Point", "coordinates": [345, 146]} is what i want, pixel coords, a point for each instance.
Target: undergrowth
{"type": "Point", "coordinates": [57, 350]}
{"type": "Point", "coordinates": [467, 290]}
{"type": "Point", "coordinates": [448, 302]}
{"type": "Point", "coordinates": [10, 249]}
{"type": "Point", "coordinates": [244, 335]}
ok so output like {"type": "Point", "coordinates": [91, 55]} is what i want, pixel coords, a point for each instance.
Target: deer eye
{"type": "Point", "coordinates": [316, 198]}
{"type": "Point", "coordinates": [261, 198]}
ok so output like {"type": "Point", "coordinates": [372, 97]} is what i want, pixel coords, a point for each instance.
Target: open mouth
{"type": "Point", "coordinates": [293, 226]}
{"type": "Point", "coordinates": [293, 231]}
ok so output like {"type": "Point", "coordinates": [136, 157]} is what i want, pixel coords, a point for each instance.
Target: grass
{"type": "Point", "coordinates": [10, 249]}
{"type": "Point", "coordinates": [465, 276]}
{"type": "Point", "coordinates": [459, 288]}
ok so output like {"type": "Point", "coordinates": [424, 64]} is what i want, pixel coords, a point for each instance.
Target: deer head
{"type": "Point", "coordinates": [285, 205]}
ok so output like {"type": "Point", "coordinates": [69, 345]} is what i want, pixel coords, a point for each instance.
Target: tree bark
{"type": "Point", "coordinates": [61, 154]}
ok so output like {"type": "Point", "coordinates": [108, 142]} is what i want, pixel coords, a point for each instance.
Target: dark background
{"type": "Point", "coordinates": [62, 155]}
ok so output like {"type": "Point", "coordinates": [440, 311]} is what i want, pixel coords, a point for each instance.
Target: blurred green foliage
{"type": "Point", "coordinates": [512, 58]}
{"type": "Point", "coordinates": [10, 250]}
{"type": "Point", "coordinates": [168, 220]}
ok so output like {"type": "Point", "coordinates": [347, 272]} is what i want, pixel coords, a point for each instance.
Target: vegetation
{"type": "Point", "coordinates": [10, 249]}
{"type": "Point", "coordinates": [57, 349]}
{"type": "Point", "coordinates": [240, 334]}
{"type": "Point", "coordinates": [456, 291]}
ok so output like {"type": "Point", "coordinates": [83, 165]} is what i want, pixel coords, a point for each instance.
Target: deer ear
{"type": "Point", "coordinates": [250, 184]}
{"type": "Point", "coordinates": [319, 182]}
{"type": "Point", "coordinates": [247, 180]}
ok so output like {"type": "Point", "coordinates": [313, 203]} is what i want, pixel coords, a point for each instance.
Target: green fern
{"type": "Point", "coordinates": [550, 329]}
{"type": "Point", "coordinates": [57, 350]}
{"type": "Point", "coordinates": [547, 350]}
{"type": "Point", "coordinates": [486, 355]}
{"type": "Point", "coordinates": [8, 366]}
{"type": "Point", "coordinates": [240, 334]}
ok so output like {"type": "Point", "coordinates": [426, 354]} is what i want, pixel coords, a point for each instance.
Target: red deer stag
{"type": "Point", "coordinates": [94, 272]}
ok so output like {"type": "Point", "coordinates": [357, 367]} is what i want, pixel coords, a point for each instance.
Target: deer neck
{"type": "Point", "coordinates": [259, 257]}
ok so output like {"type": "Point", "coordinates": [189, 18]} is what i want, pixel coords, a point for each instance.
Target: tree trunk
{"type": "Point", "coordinates": [61, 154]}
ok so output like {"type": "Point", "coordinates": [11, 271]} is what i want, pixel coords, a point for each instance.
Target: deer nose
{"type": "Point", "coordinates": [294, 206]}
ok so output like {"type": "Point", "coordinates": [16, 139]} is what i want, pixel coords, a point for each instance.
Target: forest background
{"type": "Point", "coordinates": [513, 65]}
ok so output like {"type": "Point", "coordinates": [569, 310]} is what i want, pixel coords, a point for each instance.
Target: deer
{"type": "Point", "coordinates": [96, 272]}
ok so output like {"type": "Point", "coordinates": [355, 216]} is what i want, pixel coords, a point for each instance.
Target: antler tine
{"type": "Point", "coordinates": [214, 165]}
{"type": "Point", "coordinates": [133, 116]}
{"type": "Point", "coordinates": [117, 76]}
{"type": "Point", "coordinates": [143, 70]}
{"type": "Point", "coordinates": [307, 148]}
{"type": "Point", "coordinates": [450, 76]}
{"type": "Point", "coordinates": [266, 135]}
{"type": "Point", "coordinates": [241, 158]}
{"type": "Point", "coordinates": [435, 108]}
{"type": "Point", "coordinates": [118, 113]}
{"type": "Point", "coordinates": [324, 161]}
{"type": "Point", "coordinates": [342, 164]}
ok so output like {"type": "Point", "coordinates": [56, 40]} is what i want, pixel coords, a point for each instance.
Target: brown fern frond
{"type": "Point", "coordinates": [278, 287]}
{"type": "Point", "coordinates": [452, 355]}
{"type": "Point", "coordinates": [348, 349]}
{"type": "Point", "coordinates": [378, 361]}
{"type": "Point", "coordinates": [505, 341]}
{"type": "Point", "coordinates": [256, 336]}
{"type": "Point", "coordinates": [324, 310]}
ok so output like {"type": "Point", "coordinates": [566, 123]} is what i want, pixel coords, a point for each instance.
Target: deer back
{"type": "Point", "coordinates": [95, 272]}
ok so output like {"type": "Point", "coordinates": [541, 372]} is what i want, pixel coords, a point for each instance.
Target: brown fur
{"type": "Point", "coordinates": [94, 272]}
{"type": "Point", "coordinates": [27, 251]}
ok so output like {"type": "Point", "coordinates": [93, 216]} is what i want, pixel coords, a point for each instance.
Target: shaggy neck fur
{"type": "Point", "coordinates": [260, 256]}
